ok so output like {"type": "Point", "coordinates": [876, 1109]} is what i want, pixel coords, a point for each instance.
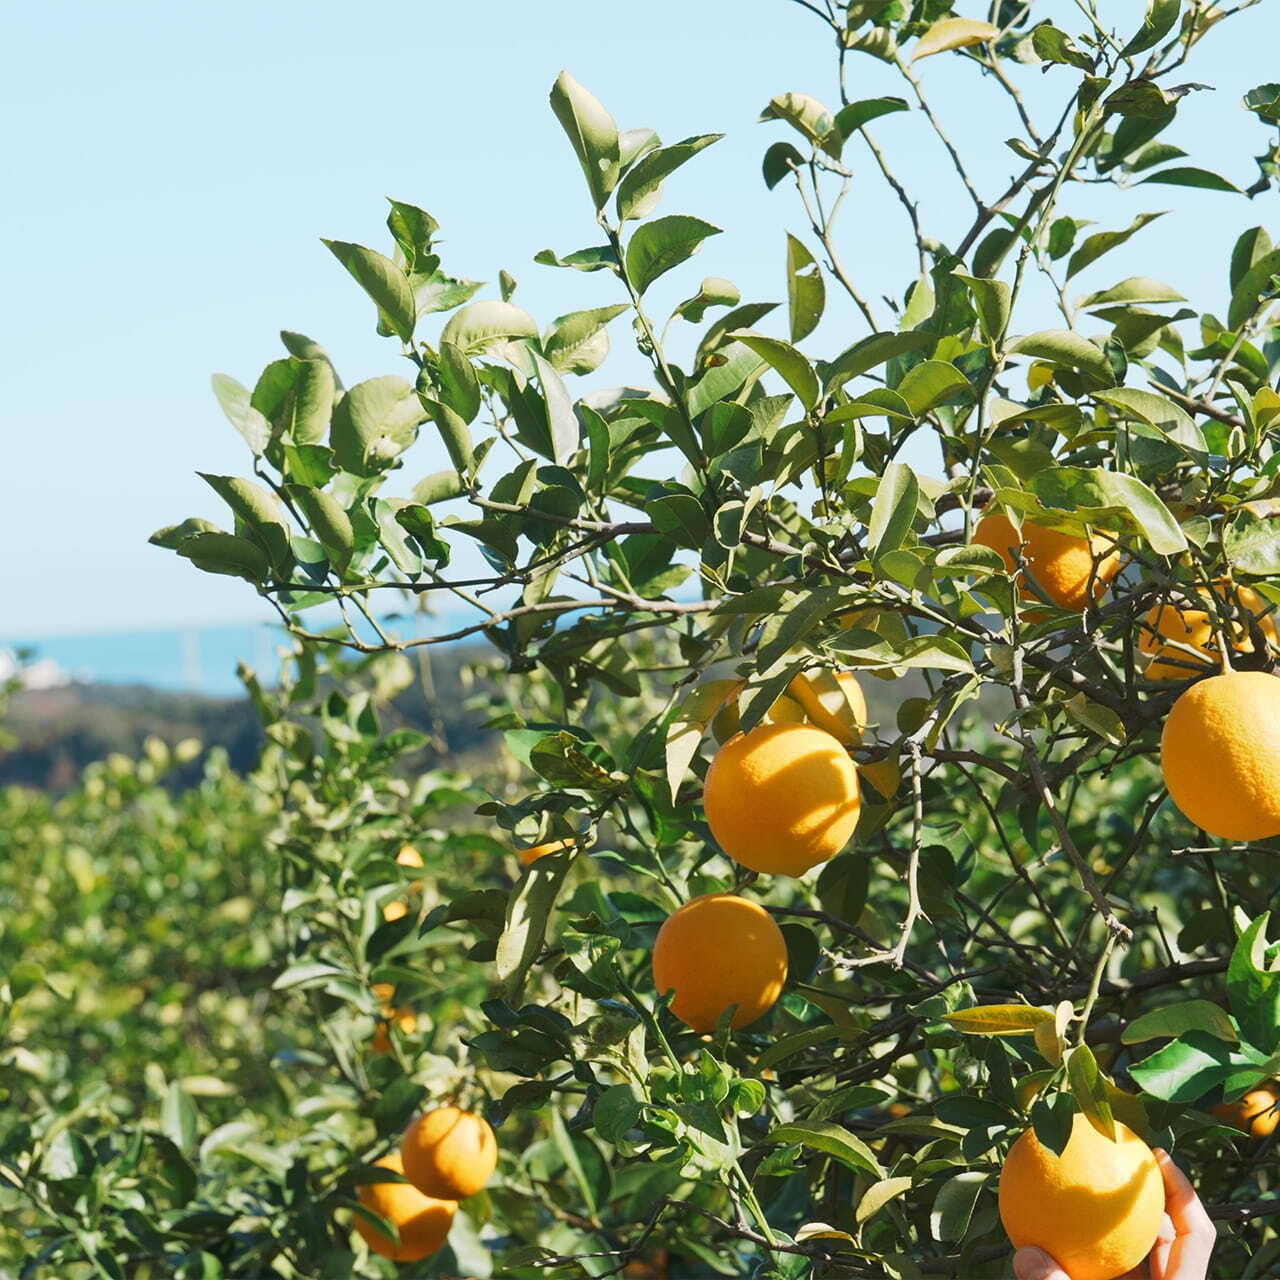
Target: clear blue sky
{"type": "Point", "coordinates": [171, 168]}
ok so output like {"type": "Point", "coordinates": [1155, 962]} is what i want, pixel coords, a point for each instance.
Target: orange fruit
{"type": "Point", "coordinates": [1220, 754]}
{"type": "Point", "coordinates": [833, 701]}
{"type": "Point", "coordinates": [1256, 1114]}
{"type": "Point", "coordinates": [409, 857]}
{"type": "Point", "coordinates": [718, 951]}
{"type": "Point", "coordinates": [1062, 564]}
{"type": "Point", "coordinates": [423, 1222]}
{"type": "Point", "coordinates": [782, 798]}
{"type": "Point", "coordinates": [1171, 631]}
{"type": "Point", "coordinates": [449, 1153]}
{"type": "Point", "coordinates": [1095, 1209]}
{"type": "Point", "coordinates": [406, 1020]}
{"type": "Point", "coordinates": [728, 721]}
{"type": "Point", "coordinates": [529, 856]}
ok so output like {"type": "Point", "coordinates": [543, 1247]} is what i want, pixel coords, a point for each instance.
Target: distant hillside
{"type": "Point", "coordinates": [60, 730]}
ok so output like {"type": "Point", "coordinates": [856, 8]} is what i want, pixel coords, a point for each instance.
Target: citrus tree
{"type": "Point", "coordinates": [833, 690]}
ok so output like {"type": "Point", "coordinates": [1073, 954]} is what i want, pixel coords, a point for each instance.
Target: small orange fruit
{"type": "Point", "coordinates": [1220, 754]}
{"type": "Point", "coordinates": [716, 952]}
{"type": "Point", "coordinates": [529, 856]}
{"type": "Point", "coordinates": [449, 1153]}
{"type": "Point", "coordinates": [1062, 564]}
{"type": "Point", "coordinates": [1183, 642]}
{"type": "Point", "coordinates": [423, 1222]}
{"type": "Point", "coordinates": [833, 701]}
{"type": "Point", "coordinates": [409, 857]}
{"type": "Point", "coordinates": [1095, 1209]}
{"type": "Point", "coordinates": [782, 798]}
{"type": "Point", "coordinates": [1256, 1114]}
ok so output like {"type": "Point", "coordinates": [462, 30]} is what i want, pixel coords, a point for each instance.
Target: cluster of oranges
{"type": "Point", "coordinates": [446, 1155]}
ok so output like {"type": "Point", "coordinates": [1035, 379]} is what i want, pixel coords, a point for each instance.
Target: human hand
{"type": "Point", "coordinates": [1182, 1248]}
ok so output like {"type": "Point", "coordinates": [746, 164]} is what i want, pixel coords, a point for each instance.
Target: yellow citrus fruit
{"type": "Point", "coordinates": [717, 951]}
{"type": "Point", "coordinates": [1095, 1209]}
{"type": "Point", "coordinates": [833, 701]}
{"type": "Point", "coordinates": [409, 857]}
{"type": "Point", "coordinates": [394, 911]}
{"type": "Point", "coordinates": [529, 856]}
{"type": "Point", "coordinates": [1061, 564]}
{"type": "Point", "coordinates": [422, 1221]}
{"type": "Point", "coordinates": [384, 992]}
{"type": "Point", "coordinates": [782, 798]}
{"type": "Point", "coordinates": [1220, 753]}
{"type": "Point", "coordinates": [1256, 1114]}
{"type": "Point", "coordinates": [449, 1153]}
{"type": "Point", "coordinates": [1171, 631]}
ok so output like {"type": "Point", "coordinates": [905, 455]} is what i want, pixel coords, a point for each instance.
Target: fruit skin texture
{"type": "Point", "coordinates": [1220, 754]}
{"type": "Point", "coordinates": [529, 856]}
{"type": "Point", "coordinates": [716, 951]}
{"type": "Point", "coordinates": [782, 798]}
{"type": "Point", "coordinates": [1256, 1114]}
{"type": "Point", "coordinates": [1195, 628]}
{"type": "Point", "coordinates": [449, 1153]}
{"type": "Point", "coordinates": [833, 701]}
{"type": "Point", "coordinates": [1096, 1209]}
{"type": "Point", "coordinates": [1061, 563]}
{"type": "Point", "coordinates": [423, 1222]}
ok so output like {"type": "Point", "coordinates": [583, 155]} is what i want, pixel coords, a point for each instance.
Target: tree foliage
{"type": "Point", "coordinates": [1023, 926]}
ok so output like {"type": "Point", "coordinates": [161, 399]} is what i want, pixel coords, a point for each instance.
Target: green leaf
{"type": "Point", "coordinates": [566, 433]}
{"type": "Point", "coordinates": [998, 1019]}
{"type": "Point", "coordinates": [459, 386]}
{"type": "Point", "coordinates": [1172, 1020]}
{"type": "Point", "coordinates": [795, 369]}
{"type": "Point", "coordinates": [1252, 545]}
{"type": "Point", "coordinates": [413, 229]}
{"type": "Point", "coordinates": [571, 345]}
{"type": "Point", "coordinates": [780, 161]}
{"type": "Point", "coordinates": [1170, 419]}
{"type": "Point", "coordinates": [1264, 102]}
{"type": "Point", "coordinates": [480, 324]}
{"type": "Point", "coordinates": [1160, 20]}
{"type": "Point", "coordinates": [953, 33]}
{"type": "Point", "coordinates": [179, 1120]}
{"type": "Point", "coordinates": [235, 401]}
{"type": "Point", "coordinates": [850, 119]}
{"type": "Point", "coordinates": [384, 282]}
{"type": "Point", "coordinates": [600, 258]}
{"type": "Point", "coordinates": [871, 352]}
{"type": "Point", "coordinates": [172, 536]}
{"type": "Point", "coordinates": [657, 246]}
{"type": "Point", "coordinates": [1254, 284]}
{"type": "Point", "coordinates": [993, 301]}
{"type": "Point", "coordinates": [1097, 496]}
{"type": "Point", "coordinates": [806, 290]}
{"type": "Point", "coordinates": [953, 1205]}
{"type": "Point", "coordinates": [1104, 241]}
{"type": "Point", "coordinates": [834, 1140]}
{"type": "Point", "coordinates": [374, 423]}
{"type": "Point", "coordinates": [1253, 989]}
{"type": "Point", "coordinates": [1053, 45]}
{"type": "Point", "coordinates": [1067, 349]}
{"type": "Point", "coordinates": [528, 913]}
{"type": "Point", "coordinates": [226, 553]}
{"type": "Point", "coordinates": [892, 510]}
{"type": "Point", "coordinates": [1190, 176]}
{"type": "Point", "coordinates": [1087, 1089]}
{"type": "Point", "coordinates": [592, 133]}
{"type": "Point", "coordinates": [260, 512]}
{"type": "Point", "coordinates": [880, 1194]}
{"type": "Point", "coordinates": [808, 116]}
{"type": "Point", "coordinates": [641, 187]}
{"type": "Point", "coordinates": [930, 383]}
{"type": "Point", "coordinates": [1185, 1070]}
{"type": "Point", "coordinates": [1133, 290]}
{"type": "Point", "coordinates": [689, 724]}
{"type": "Point", "coordinates": [713, 292]}
{"type": "Point", "coordinates": [1052, 1120]}
{"type": "Point", "coordinates": [329, 522]}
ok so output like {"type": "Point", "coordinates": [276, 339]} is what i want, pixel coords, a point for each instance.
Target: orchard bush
{"type": "Point", "coordinates": [1026, 508]}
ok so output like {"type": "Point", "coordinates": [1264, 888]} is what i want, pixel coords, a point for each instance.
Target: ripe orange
{"type": "Point", "coordinates": [716, 951]}
{"type": "Point", "coordinates": [833, 701]}
{"type": "Point", "coordinates": [1095, 1209]}
{"type": "Point", "coordinates": [1170, 631]}
{"type": "Point", "coordinates": [423, 1222]}
{"type": "Point", "coordinates": [406, 1020]}
{"type": "Point", "coordinates": [1220, 753]}
{"type": "Point", "coordinates": [407, 857]}
{"type": "Point", "coordinates": [449, 1153]}
{"type": "Point", "coordinates": [782, 798]}
{"type": "Point", "coordinates": [1256, 1114]}
{"type": "Point", "coordinates": [529, 856]}
{"type": "Point", "coordinates": [728, 721]}
{"type": "Point", "coordinates": [1061, 564]}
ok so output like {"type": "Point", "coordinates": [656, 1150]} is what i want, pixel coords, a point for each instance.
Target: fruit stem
{"type": "Point", "coordinates": [749, 1196]}
{"type": "Point", "coordinates": [1095, 986]}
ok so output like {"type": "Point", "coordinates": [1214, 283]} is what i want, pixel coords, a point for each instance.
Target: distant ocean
{"type": "Point", "coordinates": [199, 659]}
